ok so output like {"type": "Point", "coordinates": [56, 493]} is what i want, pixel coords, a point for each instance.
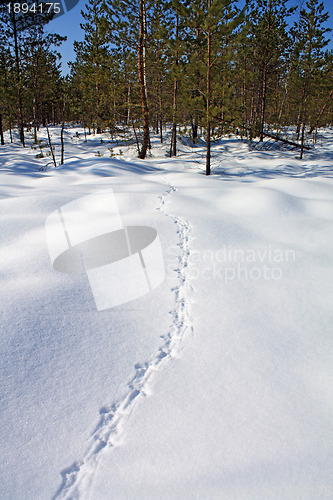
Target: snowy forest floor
{"type": "Point", "coordinates": [217, 383]}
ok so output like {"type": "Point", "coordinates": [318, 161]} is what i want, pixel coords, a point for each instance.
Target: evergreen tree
{"type": "Point", "coordinates": [271, 47]}
{"type": "Point", "coordinates": [310, 43]}
{"type": "Point", "coordinates": [130, 30]}
{"type": "Point", "coordinates": [22, 33]}
{"type": "Point", "coordinates": [6, 89]}
{"type": "Point", "coordinates": [212, 24]}
{"type": "Point", "coordinates": [92, 68]}
{"type": "Point", "coordinates": [42, 71]}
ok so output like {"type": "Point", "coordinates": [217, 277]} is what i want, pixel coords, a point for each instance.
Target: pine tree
{"type": "Point", "coordinates": [5, 88]}
{"type": "Point", "coordinates": [310, 44]}
{"type": "Point", "coordinates": [212, 23]}
{"type": "Point", "coordinates": [92, 68]}
{"type": "Point", "coordinates": [22, 33]}
{"type": "Point", "coordinates": [42, 69]}
{"type": "Point", "coordinates": [130, 29]}
{"type": "Point", "coordinates": [271, 45]}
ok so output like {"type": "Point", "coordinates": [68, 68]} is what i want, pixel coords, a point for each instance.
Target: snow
{"type": "Point", "coordinates": [215, 384]}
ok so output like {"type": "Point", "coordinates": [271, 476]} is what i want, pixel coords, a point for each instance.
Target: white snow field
{"type": "Point", "coordinates": [215, 384]}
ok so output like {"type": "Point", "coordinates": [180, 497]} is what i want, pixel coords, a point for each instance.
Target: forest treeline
{"type": "Point", "coordinates": [214, 66]}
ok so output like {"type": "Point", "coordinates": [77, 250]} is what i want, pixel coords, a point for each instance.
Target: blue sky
{"type": "Point", "coordinates": [69, 25]}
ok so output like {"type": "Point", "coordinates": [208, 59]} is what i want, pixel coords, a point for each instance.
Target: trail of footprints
{"type": "Point", "coordinates": [77, 480]}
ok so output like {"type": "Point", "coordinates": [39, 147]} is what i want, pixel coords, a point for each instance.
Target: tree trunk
{"type": "Point", "coordinates": [253, 116]}
{"type": "Point", "coordinates": [173, 146]}
{"type": "Point", "coordinates": [208, 124]}
{"type": "Point", "coordinates": [302, 141]}
{"type": "Point", "coordinates": [263, 102]}
{"type": "Point", "coordinates": [299, 118]}
{"type": "Point", "coordinates": [161, 119]}
{"type": "Point", "coordinates": [194, 126]}
{"type": "Point", "coordinates": [264, 80]}
{"type": "Point", "coordinates": [285, 93]}
{"type": "Point", "coordinates": [34, 119]}
{"type": "Point", "coordinates": [35, 100]}
{"type": "Point", "coordinates": [62, 143]}
{"type": "Point", "coordinates": [1, 132]}
{"type": "Point", "coordinates": [128, 120]}
{"type": "Point", "coordinates": [136, 138]}
{"type": "Point", "coordinates": [142, 80]}
{"type": "Point", "coordinates": [161, 129]}
{"type": "Point", "coordinates": [51, 147]}
{"type": "Point", "coordinates": [18, 80]}
{"type": "Point", "coordinates": [244, 93]}
{"type": "Point", "coordinates": [305, 94]}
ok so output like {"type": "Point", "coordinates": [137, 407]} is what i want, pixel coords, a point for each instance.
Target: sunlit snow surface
{"type": "Point", "coordinates": [215, 384]}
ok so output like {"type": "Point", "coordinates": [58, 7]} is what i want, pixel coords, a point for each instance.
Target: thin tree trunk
{"type": "Point", "coordinates": [62, 143]}
{"type": "Point", "coordinates": [305, 94]}
{"type": "Point", "coordinates": [286, 88]}
{"type": "Point", "coordinates": [136, 137]}
{"type": "Point", "coordinates": [194, 126]}
{"type": "Point", "coordinates": [51, 147]}
{"type": "Point", "coordinates": [114, 110]}
{"type": "Point", "coordinates": [35, 121]}
{"type": "Point", "coordinates": [244, 93]}
{"type": "Point", "coordinates": [283, 101]}
{"type": "Point", "coordinates": [161, 129]}
{"type": "Point", "coordinates": [173, 146]}
{"type": "Point", "coordinates": [18, 80]}
{"type": "Point", "coordinates": [208, 124]}
{"type": "Point", "coordinates": [161, 119]}
{"type": "Point", "coordinates": [142, 80]}
{"type": "Point", "coordinates": [264, 81]}
{"type": "Point", "coordinates": [129, 105]}
{"type": "Point", "coordinates": [62, 160]}
{"type": "Point", "coordinates": [35, 101]}
{"type": "Point", "coordinates": [302, 140]}
{"type": "Point", "coordinates": [277, 93]}
{"type": "Point", "coordinates": [263, 102]}
{"type": "Point", "coordinates": [299, 118]}
{"type": "Point", "coordinates": [1, 132]}
{"type": "Point", "coordinates": [253, 115]}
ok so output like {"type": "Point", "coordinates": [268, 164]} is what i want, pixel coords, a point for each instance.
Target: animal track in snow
{"type": "Point", "coordinates": [77, 480]}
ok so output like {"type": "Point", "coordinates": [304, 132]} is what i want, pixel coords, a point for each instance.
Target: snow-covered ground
{"type": "Point", "coordinates": [215, 384]}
